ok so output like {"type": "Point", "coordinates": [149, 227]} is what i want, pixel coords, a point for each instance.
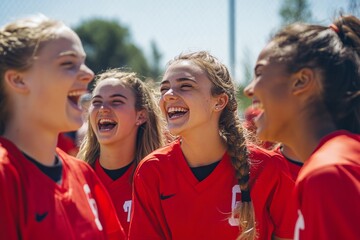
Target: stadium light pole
{"type": "Point", "coordinates": [232, 49]}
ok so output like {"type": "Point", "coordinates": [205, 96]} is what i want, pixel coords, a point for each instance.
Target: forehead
{"type": "Point", "coordinates": [111, 86]}
{"type": "Point", "coordinates": [267, 52]}
{"type": "Point", "coordinates": [183, 69]}
{"type": "Point", "coordinates": [66, 41]}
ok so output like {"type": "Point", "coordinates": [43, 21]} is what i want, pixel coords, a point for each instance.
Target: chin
{"type": "Point", "coordinates": [261, 134]}
{"type": "Point", "coordinates": [74, 124]}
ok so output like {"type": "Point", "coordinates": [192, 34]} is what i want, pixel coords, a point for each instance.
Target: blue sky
{"type": "Point", "coordinates": [178, 26]}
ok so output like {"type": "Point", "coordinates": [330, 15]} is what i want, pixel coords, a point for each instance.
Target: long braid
{"type": "Point", "coordinates": [231, 129]}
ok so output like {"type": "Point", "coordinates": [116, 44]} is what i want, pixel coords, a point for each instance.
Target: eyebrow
{"type": "Point", "coordinates": [71, 54]}
{"type": "Point", "coordinates": [182, 79]}
{"type": "Point", "coordinates": [112, 96]}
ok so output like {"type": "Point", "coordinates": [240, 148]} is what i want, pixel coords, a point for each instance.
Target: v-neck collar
{"type": "Point", "coordinates": [34, 171]}
{"type": "Point", "coordinates": [222, 168]}
{"type": "Point", "coordinates": [106, 179]}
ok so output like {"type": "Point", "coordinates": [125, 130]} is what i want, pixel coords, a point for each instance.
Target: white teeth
{"type": "Point", "coordinates": [77, 93]}
{"type": "Point", "coordinates": [176, 109]}
{"type": "Point", "coordinates": [257, 105]}
{"type": "Point", "coordinates": [106, 121]}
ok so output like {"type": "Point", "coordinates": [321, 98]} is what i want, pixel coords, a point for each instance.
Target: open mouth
{"type": "Point", "coordinates": [259, 109]}
{"type": "Point", "coordinates": [176, 112]}
{"type": "Point", "coordinates": [106, 124]}
{"type": "Point", "coordinates": [74, 96]}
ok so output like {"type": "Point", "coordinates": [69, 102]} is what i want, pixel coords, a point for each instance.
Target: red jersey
{"type": "Point", "coordinates": [33, 206]}
{"type": "Point", "coordinates": [170, 203]}
{"type": "Point", "coordinates": [293, 167]}
{"type": "Point", "coordinates": [327, 190]}
{"type": "Point", "coordinates": [67, 144]}
{"type": "Point", "coordinates": [120, 192]}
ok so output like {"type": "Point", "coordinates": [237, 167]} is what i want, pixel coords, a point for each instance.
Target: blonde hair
{"type": "Point", "coordinates": [149, 136]}
{"type": "Point", "coordinates": [230, 129]}
{"type": "Point", "coordinates": [20, 42]}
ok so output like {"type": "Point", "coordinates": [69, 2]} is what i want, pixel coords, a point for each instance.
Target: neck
{"type": "Point", "coordinates": [289, 153]}
{"type": "Point", "coordinates": [203, 149]}
{"type": "Point", "coordinates": [37, 143]}
{"type": "Point", "coordinates": [306, 137]}
{"type": "Point", "coordinates": [117, 155]}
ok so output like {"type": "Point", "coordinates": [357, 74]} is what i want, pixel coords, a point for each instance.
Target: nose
{"type": "Point", "coordinates": [249, 90]}
{"type": "Point", "coordinates": [104, 108]}
{"type": "Point", "coordinates": [87, 74]}
{"type": "Point", "coordinates": [170, 95]}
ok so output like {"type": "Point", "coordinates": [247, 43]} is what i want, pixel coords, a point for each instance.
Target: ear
{"type": "Point", "coordinates": [221, 102]}
{"type": "Point", "coordinates": [15, 81]}
{"type": "Point", "coordinates": [142, 117]}
{"type": "Point", "coordinates": [303, 81]}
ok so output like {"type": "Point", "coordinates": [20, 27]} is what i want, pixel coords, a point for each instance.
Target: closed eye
{"type": "Point", "coordinates": [186, 86]}
{"type": "Point", "coordinates": [163, 90]}
{"type": "Point", "coordinates": [96, 103]}
{"type": "Point", "coordinates": [257, 70]}
{"type": "Point", "coordinates": [69, 65]}
{"type": "Point", "coordinates": [118, 102]}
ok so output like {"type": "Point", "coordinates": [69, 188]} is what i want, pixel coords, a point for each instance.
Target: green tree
{"type": "Point", "coordinates": [247, 72]}
{"type": "Point", "coordinates": [108, 45]}
{"type": "Point", "coordinates": [295, 11]}
{"type": "Point", "coordinates": [155, 61]}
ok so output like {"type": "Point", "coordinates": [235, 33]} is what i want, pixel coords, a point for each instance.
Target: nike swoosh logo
{"type": "Point", "coordinates": [40, 217]}
{"type": "Point", "coordinates": [164, 197]}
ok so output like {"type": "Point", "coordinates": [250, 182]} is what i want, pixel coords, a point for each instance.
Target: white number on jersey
{"type": "Point", "coordinates": [92, 204]}
{"type": "Point", "coordinates": [235, 192]}
{"type": "Point", "coordinates": [300, 225]}
{"type": "Point", "coordinates": [127, 208]}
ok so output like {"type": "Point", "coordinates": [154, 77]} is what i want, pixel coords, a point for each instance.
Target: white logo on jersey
{"type": "Point", "coordinates": [127, 208]}
{"type": "Point", "coordinates": [92, 204]}
{"type": "Point", "coordinates": [235, 191]}
{"type": "Point", "coordinates": [300, 225]}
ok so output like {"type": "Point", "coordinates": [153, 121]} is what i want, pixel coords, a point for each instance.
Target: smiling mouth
{"type": "Point", "coordinates": [176, 112]}
{"type": "Point", "coordinates": [106, 124]}
{"type": "Point", "coordinates": [74, 96]}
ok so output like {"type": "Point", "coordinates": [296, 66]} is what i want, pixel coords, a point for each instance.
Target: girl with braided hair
{"type": "Point", "coordinates": [198, 187]}
{"type": "Point", "coordinates": [312, 72]}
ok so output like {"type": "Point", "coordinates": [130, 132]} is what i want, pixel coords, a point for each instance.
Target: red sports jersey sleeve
{"type": "Point", "coordinates": [120, 191]}
{"type": "Point", "coordinates": [327, 190]}
{"type": "Point", "coordinates": [33, 206]}
{"type": "Point", "coordinates": [272, 185]}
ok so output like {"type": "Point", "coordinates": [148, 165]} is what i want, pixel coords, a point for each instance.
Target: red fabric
{"type": "Point", "coordinates": [120, 192]}
{"type": "Point", "coordinates": [292, 168]}
{"type": "Point", "coordinates": [202, 210]}
{"type": "Point", "coordinates": [327, 190]}
{"type": "Point", "coordinates": [272, 184]}
{"type": "Point", "coordinates": [67, 144]}
{"type": "Point", "coordinates": [33, 206]}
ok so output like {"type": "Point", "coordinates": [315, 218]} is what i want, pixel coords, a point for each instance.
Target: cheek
{"type": "Point", "coordinates": [162, 106]}
{"type": "Point", "coordinates": [92, 117]}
